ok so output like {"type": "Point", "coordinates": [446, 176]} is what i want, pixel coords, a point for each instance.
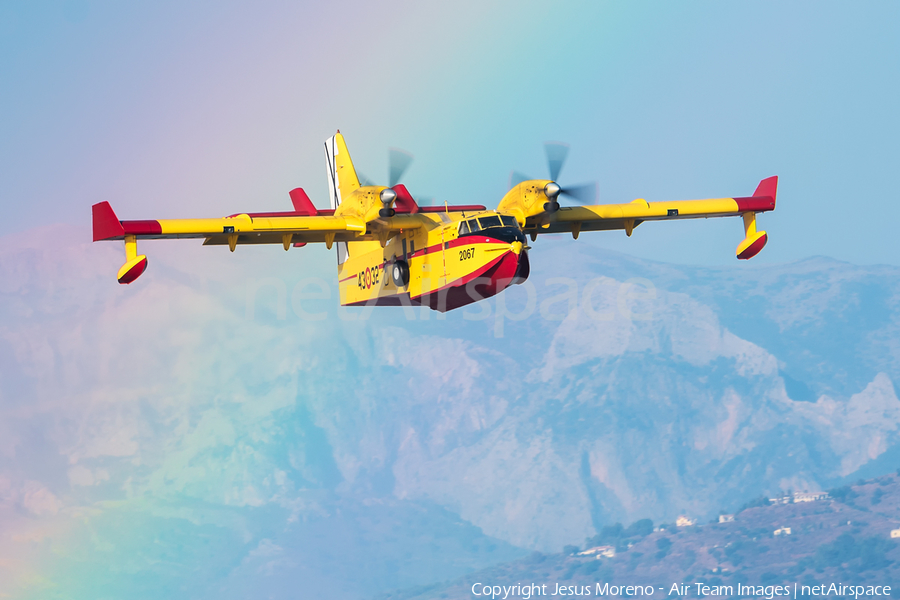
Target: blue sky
{"type": "Point", "coordinates": [174, 111]}
{"type": "Point", "coordinates": [171, 110]}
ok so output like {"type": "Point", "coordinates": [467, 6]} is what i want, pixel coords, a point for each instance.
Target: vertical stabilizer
{"type": "Point", "coordinates": [342, 179]}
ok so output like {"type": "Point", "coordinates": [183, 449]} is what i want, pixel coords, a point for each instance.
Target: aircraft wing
{"type": "Point", "coordinates": [262, 228]}
{"type": "Point", "coordinates": [295, 228]}
{"type": "Point", "coordinates": [605, 217]}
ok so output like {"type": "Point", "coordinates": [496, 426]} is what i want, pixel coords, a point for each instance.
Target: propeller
{"type": "Point", "coordinates": [557, 152]}
{"type": "Point", "coordinates": [398, 162]}
{"type": "Point", "coordinates": [556, 157]}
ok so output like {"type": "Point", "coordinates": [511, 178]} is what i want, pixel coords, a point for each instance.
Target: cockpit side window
{"type": "Point", "coordinates": [491, 221]}
{"type": "Point", "coordinates": [509, 221]}
{"type": "Point", "coordinates": [473, 225]}
{"type": "Point", "coordinates": [463, 227]}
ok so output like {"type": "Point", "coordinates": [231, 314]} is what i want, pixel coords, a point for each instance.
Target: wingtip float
{"type": "Point", "coordinates": [763, 199]}
{"type": "Point", "coordinates": [392, 251]}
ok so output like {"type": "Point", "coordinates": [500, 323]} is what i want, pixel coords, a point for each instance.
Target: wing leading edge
{"type": "Point", "coordinates": [305, 224]}
{"type": "Point", "coordinates": [606, 217]}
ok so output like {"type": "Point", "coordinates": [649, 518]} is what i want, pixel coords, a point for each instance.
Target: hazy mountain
{"type": "Point", "coordinates": [842, 540]}
{"type": "Point", "coordinates": [193, 422]}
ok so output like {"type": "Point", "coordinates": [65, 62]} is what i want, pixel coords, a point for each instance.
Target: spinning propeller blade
{"type": "Point", "coordinates": [515, 178]}
{"type": "Point", "coordinates": [557, 152]}
{"type": "Point", "coordinates": [556, 157]}
{"type": "Point", "coordinates": [398, 162]}
{"type": "Point", "coordinates": [585, 193]}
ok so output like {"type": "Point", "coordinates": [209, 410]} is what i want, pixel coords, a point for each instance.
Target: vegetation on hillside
{"type": "Point", "coordinates": [843, 538]}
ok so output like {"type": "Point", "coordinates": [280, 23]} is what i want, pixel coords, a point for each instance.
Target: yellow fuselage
{"type": "Point", "coordinates": [447, 267]}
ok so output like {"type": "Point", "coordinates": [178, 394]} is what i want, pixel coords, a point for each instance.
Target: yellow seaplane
{"type": "Point", "coordinates": [393, 252]}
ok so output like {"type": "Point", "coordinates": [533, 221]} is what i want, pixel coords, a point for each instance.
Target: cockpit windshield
{"type": "Point", "coordinates": [491, 221]}
{"type": "Point", "coordinates": [487, 222]}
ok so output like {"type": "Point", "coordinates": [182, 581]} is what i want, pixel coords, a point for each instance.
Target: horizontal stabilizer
{"type": "Point", "coordinates": [302, 204]}
{"type": "Point", "coordinates": [404, 202]}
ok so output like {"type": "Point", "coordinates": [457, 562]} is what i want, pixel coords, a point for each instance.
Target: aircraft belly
{"type": "Point", "coordinates": [442, 274]}
{"type": "Point", "coordinates": [476, 267]}
{"type": "Point", "coordinates": [466, 259]}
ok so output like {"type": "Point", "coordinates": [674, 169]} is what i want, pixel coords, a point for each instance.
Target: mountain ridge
{"type": "Point", "coordinates": [660, 389]}
{"type": "Point", "coordinates": [844, 539]}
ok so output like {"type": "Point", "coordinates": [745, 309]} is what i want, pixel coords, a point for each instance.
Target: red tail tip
{"type": "Point", "coordinates": [404, 201]}
{"type": "Point", "coordinates": [302, 203]}
{"type": "Point", "coordinates": [767, 187]}
{"type": "Point", "coordinates": [106, 223]}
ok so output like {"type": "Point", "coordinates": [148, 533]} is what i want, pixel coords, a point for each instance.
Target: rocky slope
{"type": "Point", "coordinates": [203, 398]}
{"type": "Point", "coordinates": [843, 540]}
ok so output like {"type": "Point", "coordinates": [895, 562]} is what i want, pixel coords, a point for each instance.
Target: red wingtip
{"type": "Point", "coordinates": [106, 223]}
{"type": "Point", "coordinates": [767, 187]}
{"type": "Point", "coordinates": [302, 203]}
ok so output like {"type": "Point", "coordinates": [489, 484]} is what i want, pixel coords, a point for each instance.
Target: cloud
{"type": "Point", "coordinates": [38, 500]}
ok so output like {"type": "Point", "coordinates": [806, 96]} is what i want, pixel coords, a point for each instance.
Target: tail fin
{"type": "Point", "coordinates": [404, 202]}
{"type": "Point", "coordinates": [342, 179]}
{"type": "Point", "coordinates": [106, 224]}
{"type": "Point", "coordinates": [767, 187]}
{"type": "Point", "coordinates": [302, 204]}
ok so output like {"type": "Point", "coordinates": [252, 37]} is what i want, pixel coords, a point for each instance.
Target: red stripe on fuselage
{"type": "Point", "coordinates": [465, 279]}
{"type": "Point", "coordinates": [495, 277]}
{"type": "Point", "coordinates": [463, 241]}
{"type": "Point", "coordinates": [382, 265]}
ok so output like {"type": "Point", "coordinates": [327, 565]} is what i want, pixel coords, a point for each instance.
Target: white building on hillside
{"type": "Point", "coordinates": [598, 551]}
{"type": "Point", "coordinates": [684, 521]}
{"type": "Point", "coordinates": [809, 496]}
